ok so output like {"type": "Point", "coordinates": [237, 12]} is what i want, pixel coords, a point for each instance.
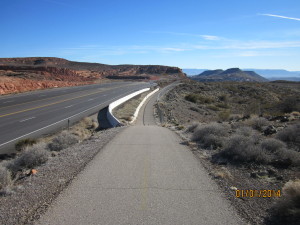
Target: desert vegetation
{"type": "Point", "coordinates": [247, 134]}
{"type": "Point", "coordinates": [32, 153]}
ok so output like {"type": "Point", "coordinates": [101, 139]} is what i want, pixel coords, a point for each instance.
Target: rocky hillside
{"type": "Point", "coordinates": [234, 74]}
{"type": "Point", "coordinates": [26, 74]}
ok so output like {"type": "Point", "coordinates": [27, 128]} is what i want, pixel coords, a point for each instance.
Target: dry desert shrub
{"type": "Point", "coordinates": [258, 123]}
{"type": "Point", "coordinates": [5, 179]}
{"type": "Point", "coordinates": [280, 154]}
{"type": "Point", "coordinates": [290, 135]}
{"type": "Point", "coordinates": [62, 141]}
{"type": "Point", "coordinates": [272, 145]}
{"type": "Point", "coordinates": [287, 208]}
{"type": "Point", "coordinates": [192, 127]}
{"type": "Point", "coordinates": [245, 131]}
{"type": "Point", "coordinates": [240, 149]}
{"type": "Point", "coordinates": [210, 135]}
{"type": "Point", "coordinates": [30, 158]}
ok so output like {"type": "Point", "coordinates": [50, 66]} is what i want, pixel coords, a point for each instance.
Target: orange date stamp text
{"type": "Point", "coordinates": [257, 193]}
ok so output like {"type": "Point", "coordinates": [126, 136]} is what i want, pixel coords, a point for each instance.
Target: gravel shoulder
{"type": "Point", "coordinates": [34, 194]}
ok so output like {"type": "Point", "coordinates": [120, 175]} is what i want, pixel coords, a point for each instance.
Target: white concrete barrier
{"type": "Point", "coordinates": [111, 118]}
{"type": "Point", "coordinates": [141, 104]}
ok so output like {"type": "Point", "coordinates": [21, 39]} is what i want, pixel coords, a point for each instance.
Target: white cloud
{"type": "Point", "coordinates": [210, 37]}
{"type": "Point", "coordinates": [203, 36]}
{"type": "Point", "coordinates": [250, 45]}
{"type": "Point", "coordinates": [172, 49]}
{"type": "Point", "coordinates": [284, 17]}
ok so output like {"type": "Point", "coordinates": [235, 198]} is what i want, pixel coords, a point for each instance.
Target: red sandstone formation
{"type": "Point", "coordinates": [26, 74]}
{"type": "Point", "coordinates": [9, 85]}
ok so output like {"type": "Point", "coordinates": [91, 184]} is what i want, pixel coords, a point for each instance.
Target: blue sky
{"type": "Point", "coordinates": [207, 34]}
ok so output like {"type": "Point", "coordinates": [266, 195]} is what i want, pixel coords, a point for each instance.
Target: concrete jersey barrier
{"type": "Point", "coordinates": [141, 104]}
{"type": "Point", "coordinates": [111, 118]}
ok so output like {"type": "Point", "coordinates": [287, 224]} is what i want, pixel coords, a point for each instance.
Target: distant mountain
{"type": "Point", "coordinates": [276, 73]}
{"type": "Point", "coordinates": [233, 74]}
{"type": "Point", "coordinates": [297, 79]}
{"type": "Point", "coordinates": [270, 74]}
{"type": "Point", "coordinates": [193, 72]}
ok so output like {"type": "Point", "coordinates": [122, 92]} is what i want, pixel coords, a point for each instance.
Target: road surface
{"type": "Point", "coordinates": [143, 176]}
{"type": "Point", "coordinates": [36, 113]}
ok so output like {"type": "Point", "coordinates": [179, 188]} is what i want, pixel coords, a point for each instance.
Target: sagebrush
{"type": "Point", "coordinates": [62, 141]}
{"type": "Point", "coordinates": [287, 208]}
{"type": "Point", "coordinates": [211, 135]}
{"type": "Point", "coordinates": [30, 158]}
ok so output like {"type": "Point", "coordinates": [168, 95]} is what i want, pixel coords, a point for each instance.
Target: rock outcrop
{"type": "Point", "coordinates": [45, 72]}
{"type": "Point", "coordinates": [9, 85]}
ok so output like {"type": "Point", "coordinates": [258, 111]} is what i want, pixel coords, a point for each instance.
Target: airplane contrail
{"type": "Point", "coordinates": [284, 17]}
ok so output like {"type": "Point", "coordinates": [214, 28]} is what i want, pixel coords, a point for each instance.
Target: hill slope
{"type": "Point", "coordinates": [233, 74]}
{"type": "Point", "coordinates": [26, 74]}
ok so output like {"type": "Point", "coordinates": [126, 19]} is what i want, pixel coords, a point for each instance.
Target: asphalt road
{"type": "Point", "coordinates": [35, 113]}
{"type": "Point", "coordinates": [143, 176]}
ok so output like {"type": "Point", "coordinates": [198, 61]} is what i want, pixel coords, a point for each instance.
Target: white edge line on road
{"type": "Point", "coordinates": [57, 122]}
{"type": "Point", "coordinates": [68, 106]}
{"type": "Point", "coordinates": [21, 121]}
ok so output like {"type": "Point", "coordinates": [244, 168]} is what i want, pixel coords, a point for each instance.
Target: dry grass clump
{"type": "Point", "coordinates": [5, 179]}
{"type": "Point", "coordinates": [240, 149]}
{"type": "Point", "coordinates": [30, 158]}
{"type": "Point", "coordinates": [287, 208]}
{"type": "Point", "coordinates": [290, 135]}
{"type": "Point", "coordinates": [22, 144]}
{"type": "Point", "coordinates": [211, 135]}
{"type": "Point", "coordinates": [224, 115]}
{"type": "Point", "coordinates": [84, 128]}
{"type": "Point", "coordinates": [222, 173]}
{"type": "Point", "coordinates": [62, 141]}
